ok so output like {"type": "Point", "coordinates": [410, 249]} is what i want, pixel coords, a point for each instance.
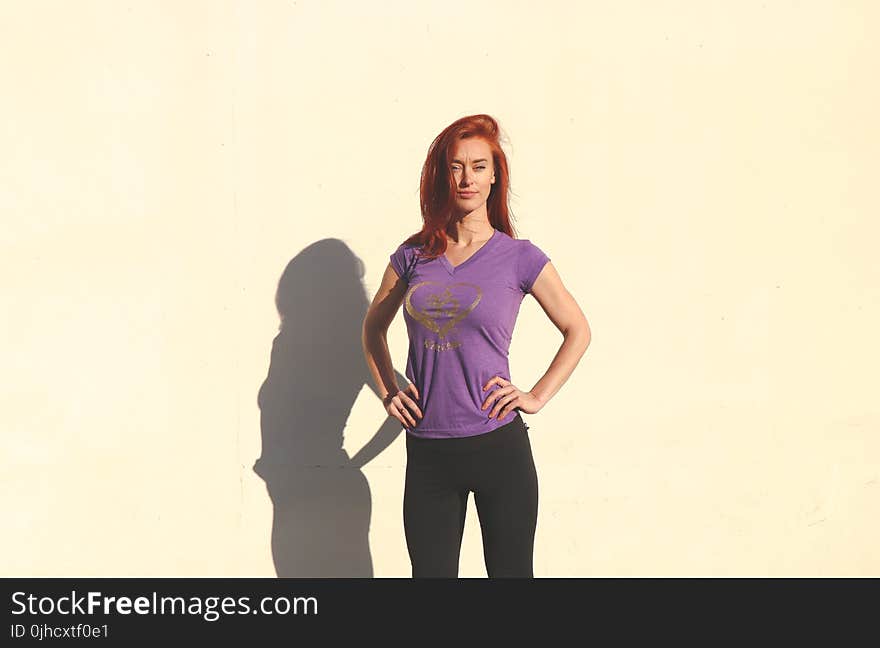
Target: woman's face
{"type": "Point", "coordinates": [473, 170]}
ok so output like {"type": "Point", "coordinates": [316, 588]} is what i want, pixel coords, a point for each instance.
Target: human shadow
{"type": "Point", "coordinates": [321, 498]}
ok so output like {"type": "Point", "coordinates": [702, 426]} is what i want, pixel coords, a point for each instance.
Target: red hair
{"type": "Point", "coordinates": [437, 186]}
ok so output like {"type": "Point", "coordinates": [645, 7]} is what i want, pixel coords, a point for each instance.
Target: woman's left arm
{"type": "Point", "coordinates": [564, 312]}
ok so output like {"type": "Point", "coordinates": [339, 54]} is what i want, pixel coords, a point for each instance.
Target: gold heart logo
{"type": "Point", "coordinates": [441, 306]}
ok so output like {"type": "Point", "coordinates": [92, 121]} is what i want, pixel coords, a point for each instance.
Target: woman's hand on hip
{"type": "Point", "coordinates": [399, 405]}
{"type": "Point", "coordinates": [508, 397]}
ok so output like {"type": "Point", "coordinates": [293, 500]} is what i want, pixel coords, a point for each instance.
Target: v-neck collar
{"type": "Point", "coordinates": [453, 269]}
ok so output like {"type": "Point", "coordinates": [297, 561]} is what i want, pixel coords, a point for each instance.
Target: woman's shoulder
{"type": "Point", "coordinates": [404, 258]}
{"type": "Point", "coordinates": [529, 253]}
{"type": "Point", "coordinates": [521, 245]}
{"type": "Point", "coordinates": [409, 246]}
{"type": "Point", "coordinates": [408, 252]}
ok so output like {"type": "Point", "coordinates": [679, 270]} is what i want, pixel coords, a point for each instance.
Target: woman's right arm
{"type": "Point", "coordinates": [381, 312]}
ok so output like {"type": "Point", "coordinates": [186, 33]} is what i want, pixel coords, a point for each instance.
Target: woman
{"type": "Point", "coordinates": [462, 279]}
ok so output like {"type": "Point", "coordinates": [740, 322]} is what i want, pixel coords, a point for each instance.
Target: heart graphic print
{"type": "Point", "coordinates": [439, 306]}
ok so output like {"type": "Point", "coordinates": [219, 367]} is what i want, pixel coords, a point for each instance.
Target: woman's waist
{"type": "Point", "coordinates": [453, 438]}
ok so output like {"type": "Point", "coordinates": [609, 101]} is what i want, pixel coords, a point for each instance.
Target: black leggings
{"type": "Point", "coordinates": [498, 467]}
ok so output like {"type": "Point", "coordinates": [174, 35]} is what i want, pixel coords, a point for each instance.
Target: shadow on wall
{"type": "Point", "coordinates": [322, 503]}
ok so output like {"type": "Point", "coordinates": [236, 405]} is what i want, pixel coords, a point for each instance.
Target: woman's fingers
{"type": "Point", "coordinates": [502, 397]}
{"type": "Point", "coordinates": [507, 404]}
{"type": "Point", "coordinates": [400, 412]}
{"type": "Point", "coordinates": [401, 407]}
{"type": "Point", "coordinates": [392, 410]}
{"type": "Point", "coordinates": [498, 393]}
{"type": "Point", "coordinates": [400, 404]}
{"type": "Point", "coordinates": [411, 404]}
{"type": "Point", "coordinates": [496, 380]}
{"type": "Point", "coordinates": [504, 387]}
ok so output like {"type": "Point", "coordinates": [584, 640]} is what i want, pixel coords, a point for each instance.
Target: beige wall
{"type": "Point", "coordinates": [702, 174]}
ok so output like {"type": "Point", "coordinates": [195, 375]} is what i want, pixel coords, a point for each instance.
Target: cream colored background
{"type": "Point", "coordinates": [702, 174]}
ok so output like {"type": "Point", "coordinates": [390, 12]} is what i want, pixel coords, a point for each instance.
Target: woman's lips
{"type": "Point", "coordinates": [464, 194]}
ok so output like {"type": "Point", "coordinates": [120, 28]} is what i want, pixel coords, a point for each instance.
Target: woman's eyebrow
{"type": "Point", "coordinates": [474, 162]}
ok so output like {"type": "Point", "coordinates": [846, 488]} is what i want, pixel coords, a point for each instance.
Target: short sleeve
{"type": "Point", "coordinates": [402, 261]}
{"type": "Point", "coordinates": [530, 262]}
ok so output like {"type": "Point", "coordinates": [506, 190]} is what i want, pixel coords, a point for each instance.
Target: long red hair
{"type": "Point", "coordinates": [437, 187]}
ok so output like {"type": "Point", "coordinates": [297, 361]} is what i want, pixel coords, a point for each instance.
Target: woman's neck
{"type": "Point", "coordinates": [473, 228]}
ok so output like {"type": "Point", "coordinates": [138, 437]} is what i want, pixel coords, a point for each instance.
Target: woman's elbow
{"type": "Point", "coordinates": [580, 333]}
{"type": "Point", "coordinates": [372, 326]}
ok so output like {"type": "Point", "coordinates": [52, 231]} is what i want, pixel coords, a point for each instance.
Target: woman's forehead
{"type": "Point", "coordinates": [470, 149]}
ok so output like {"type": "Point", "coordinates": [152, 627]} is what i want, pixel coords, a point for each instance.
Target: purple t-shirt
{"type": "Point", "coordinates": [460, 322]}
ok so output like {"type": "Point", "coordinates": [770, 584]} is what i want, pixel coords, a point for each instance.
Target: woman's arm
{"type": "Point", "coordinates": [387, 301]}
{"type": "Point", "coordinates": [380, 314]}
{"type": "Point", "coordinates": [564, 312]}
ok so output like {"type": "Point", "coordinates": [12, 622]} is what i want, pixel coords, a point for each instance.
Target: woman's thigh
{"type": "Point", "coordinates": [506, 498]}
{"type": "Point", "coordinates": [434, 508]}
